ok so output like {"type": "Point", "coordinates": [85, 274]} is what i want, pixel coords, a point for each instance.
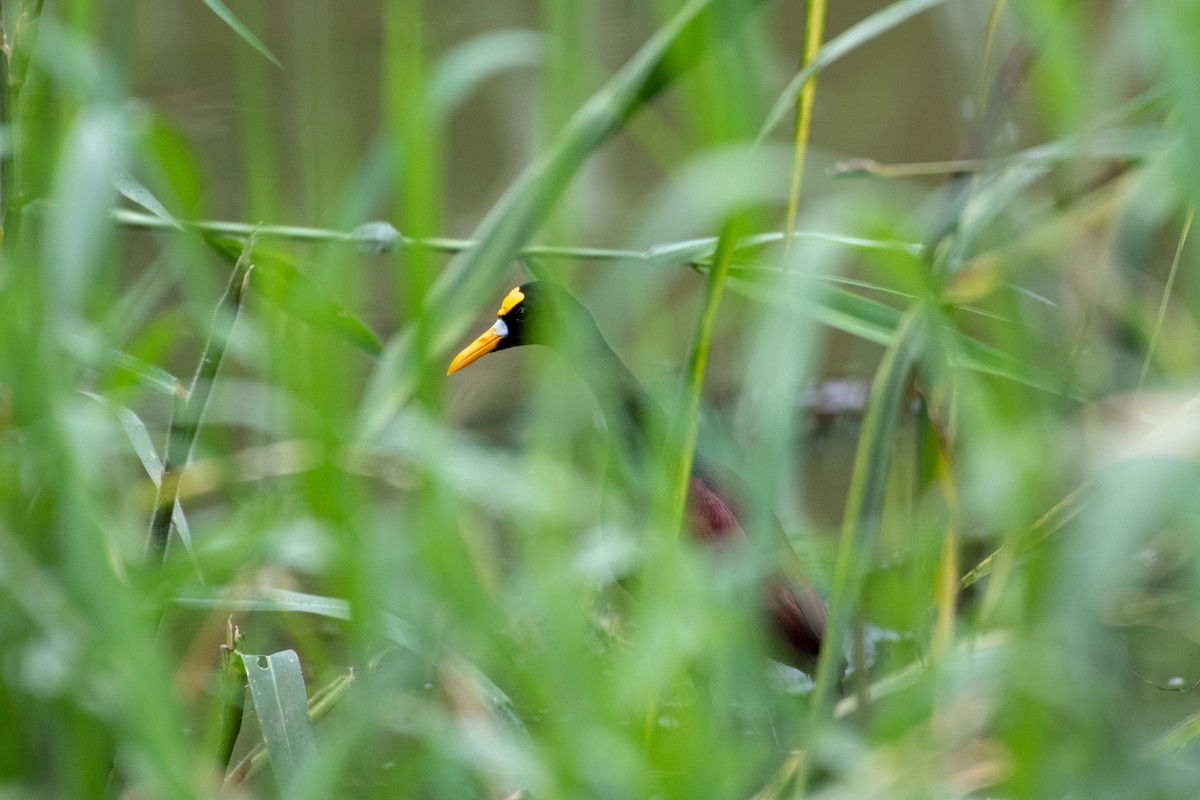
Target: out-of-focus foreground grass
{"type": "Point", "coordinates": [254, 542]}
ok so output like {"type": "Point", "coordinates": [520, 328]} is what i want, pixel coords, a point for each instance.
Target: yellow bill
{"type": "Point", "coordinates": [491, 339]}
{"type": "Point", "coordinates": [480, 347]}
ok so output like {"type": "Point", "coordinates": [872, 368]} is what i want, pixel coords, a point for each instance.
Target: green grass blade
{"type": "Point", "coordinates": [842, 45]}
{"type": "Point", "coordinates": [697, 365]}
{"type": "Point", "coordinates": [865, 499]}
{"type": "Point", "coordinates": [238, 27]}
{"type": "Point", "coordinates": [462, 70]}
{"type": "Point", "coordinates": [878, 322]}
{"type": "Point", "coordinates": [1166, 297]}
{"type": "Point", "coordinates": [135, 190]}
{"type": "Point", "coordinates": [189, 408]}
{"type": "Point", "coordinates": [814, 31]}
{"type": "Point", "coordinates": [90, 354]}
{"type": "Point", "coordinates": [277, 689]}
{"type": "Point", "coordinates": [278, 279]}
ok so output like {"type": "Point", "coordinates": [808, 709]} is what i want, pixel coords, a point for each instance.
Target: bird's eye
{"type": "Point", "coordinates": [520, 312]}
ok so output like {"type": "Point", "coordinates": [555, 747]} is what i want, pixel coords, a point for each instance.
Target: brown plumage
{"type": "Point", "coordinates": [541, 313]}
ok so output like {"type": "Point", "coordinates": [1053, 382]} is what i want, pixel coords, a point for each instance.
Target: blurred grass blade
{"type": "Point", "coordinates": [134, 190]}
{"type": "Point", "coordinates": [1166, 296]}
{"type": "Point", "coordinates": [278, 280]}
{"type": "Point", "coordinates": [398, 631]}
{"type": "Point", "coordinates": [1177, 739]}
{"type": "Point", "coordinates": [94, 154]}
{"type": "Point", "coordinates": [287, 601]}
{"type": "Point", "coordinates": [877, 322]}
{"type": "Point", "coordinates": [277, 689]}
{"type": "Point", "coordinates": [697, 366]}
{"type": "Point", "coordinates": [230, 699]}
{"type": "Point", "coordinates": [462, 70]}
{"type": "Point", "coordinates": [1046, 526]}
{"type": "Point", "coordinates": [472, 277]}
{"type": "Point", "coordinates": [814, 31]}
{"type": "Point", "coordinates": [694, 250]}
{"type": "Point", "coordinates": [227, 16]}
{"type": "Point", "coordinates": [845, 43]}
{"type": "Point", "coordinates": [139, 438]}
{"type": "Point", "coordinates": [188, 409]}
{"type": "Point", "coordinates": [865, 500]}
{"type": "Point", "coordinates": [91, 354]}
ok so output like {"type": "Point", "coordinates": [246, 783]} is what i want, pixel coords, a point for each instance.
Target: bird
{"type": "Point", "coordinates": [544, 313]}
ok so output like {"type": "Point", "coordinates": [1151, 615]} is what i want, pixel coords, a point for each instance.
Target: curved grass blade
{"type": "Point", "coordinates": [91, 354]}
{"type": "Point", "coordinates": [277, 279]}
{"type": "Point", "coordinates": [136, 191]}
{"type": "Point", "coordinates": [814, 30]}
{"type": "Point", "coordinates": [230, 702]}
{"type": "Point", "coordinates": [390, 626]}
{"type": "Point", "coordinates": [865, 500]}
{"type": "Point", "coordinates": [693, 250]}
{"type": "Point", "coordinates": [878, 322]}
{"type": "Point", "coordinates": [139, 438]}
{"type": "Point", "coordinates": [847, 42]}
{"type": "Point", "coordinates": [697, 365]}
{"type": "Point", "coordinates": [461, 71]}
{"type": "Point", "coordinates": [227, 16]}
{"type": "Point", "coordinates": [277, 688]}
{"type": "Point", "coordinates": [190, 405]}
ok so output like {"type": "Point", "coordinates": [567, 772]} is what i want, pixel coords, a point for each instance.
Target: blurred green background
{"type": "Point", "coordinates": [242, 241]}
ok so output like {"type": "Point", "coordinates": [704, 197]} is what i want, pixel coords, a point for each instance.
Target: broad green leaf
{"type": "Point", "coordinates": [277, 689]}
{"type": "Point", "coordinates": [222, 11]}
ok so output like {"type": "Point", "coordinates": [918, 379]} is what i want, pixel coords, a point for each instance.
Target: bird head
{"type": "Point", "coordinates": [537, 312]}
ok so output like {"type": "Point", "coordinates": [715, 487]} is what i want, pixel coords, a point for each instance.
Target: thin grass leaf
{"type": "Point", "coordinates": [277, 689]}
{"type": "Point", "coordinates": [189, 408]}
{"type": "Point", "coordinates": [94, 154]}
{"type": "Point", "coordinates": [696, 250]}
{"type": "Point", "coordinates": [139, 438]}
{"type": "Point", "coordinates": [839, 46]}
{"type": "Point", "coordinates": [230, 700]}
{"type": "Point", "coordinates": [877, 322]}
{"type": "Point", "coordinates": [865, 499]}
{"type": "Point", "coordinates": [697, 365]}
{"type": "Point", "coordinates": [287, 601]}
{"type": "Point", "coordinates": [462, 70]}
{"type": "Point", "coordinates": [392, 627]}
{"type": "Point", "coordinates": [1166, 297]}
{"type": "Point", "coordinates": [89, 353]}
{"type": "Point", "coordinates": [814, 31]}
{"type": "Point", "coordinates": [227, 16]}
{"type": "Point", "coordinates": [278, 280]}
{"type": "Point", "coordinates": [134, 190]}
{"type": "Point", "coordinates": [1107, 145]}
